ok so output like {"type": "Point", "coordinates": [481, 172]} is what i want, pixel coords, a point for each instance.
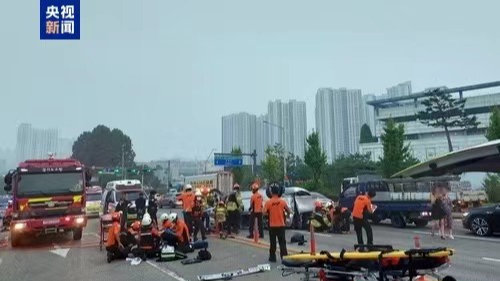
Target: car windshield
{"type": "Point", "coordinates": [94, 196]}
{"type": "Point", "coordinates": [47, 184]}
{"type": "Point", "coordinates": [130, 195]}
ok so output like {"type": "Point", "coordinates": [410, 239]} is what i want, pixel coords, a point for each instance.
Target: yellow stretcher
{"type": "Point", "coordinates": [369, 262]}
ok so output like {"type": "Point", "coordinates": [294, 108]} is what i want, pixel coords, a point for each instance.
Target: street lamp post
{"type": "Point", "coordinates": [284, 147]}
{"type": "Point", "coordinates": [208, 158]}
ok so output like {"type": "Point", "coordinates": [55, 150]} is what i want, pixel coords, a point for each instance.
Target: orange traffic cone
{"type": "Point", "coordinates": [312, 240]}
{"type": "Point", "coordinates": [256, 232]}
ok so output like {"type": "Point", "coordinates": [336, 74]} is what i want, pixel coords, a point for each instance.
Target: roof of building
{"type": "Point", "coordinates": [381, 102]}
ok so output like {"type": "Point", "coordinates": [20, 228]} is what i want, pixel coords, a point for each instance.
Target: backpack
{"type": "Point", "coordinates": [204, 255]}
{"type": "Point", "coordinates": [167, 253]}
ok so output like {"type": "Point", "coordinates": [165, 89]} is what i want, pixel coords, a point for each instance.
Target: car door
{"type": "Point", "coordinates": [496, 219]}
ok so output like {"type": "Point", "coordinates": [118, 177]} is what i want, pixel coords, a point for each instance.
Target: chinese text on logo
{"type": "Point", "coordinates": [59, 19]}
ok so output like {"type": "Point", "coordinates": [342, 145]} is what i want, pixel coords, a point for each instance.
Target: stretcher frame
{"type": "Point", "coordinates": [339, 268]}
{"type": "Point", "coordinates": [105, 222]}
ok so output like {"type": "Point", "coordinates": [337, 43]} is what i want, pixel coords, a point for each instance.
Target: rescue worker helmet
{"type": "Point", "coordinates": [198, 194]}
{"type": "Point", "coordinates": [255, 186]}
{"type": "Point", "coordinates": [146, 220]}
{"type": "Point", "coordinates": [188, 187]}
{"type": "Point", "coordinates": [205, 191]}
{"type": "Point", "coordinates": [164, 217]}
{"type": "Point", "coordinates": [173, 217]}
{"type": "Point", "coordinates": [274, 188]}
{"type": "Point", "coordinates": [318, 205]}
{"type": "Point", "coordinates": [221, 203]}
{"type": "Point", "coordinates": [236, 186]}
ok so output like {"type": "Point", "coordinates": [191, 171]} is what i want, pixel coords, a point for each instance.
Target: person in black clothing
{"type": "Point", "coordinates": [153, 207]}
{"type": "Point", "coordinates": [123, 207]}
{"type": "Point", "coordinates": [140, 205]}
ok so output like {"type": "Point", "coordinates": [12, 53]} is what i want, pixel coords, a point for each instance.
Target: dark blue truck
{"type": "Point", "coordinates": [402, 203]}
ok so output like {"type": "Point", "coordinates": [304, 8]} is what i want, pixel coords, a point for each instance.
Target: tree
{"type": "Point", "coordinates": [238, 173]}
{"type": "Point", "coordinates": [492, 186]}
{"type": "Point", "coordinates": [397, 155]}
{"type": "Point", "coordinates": [104, 147]}
{"type": "Point", "coordinates": [346, 166]}
{"type": "Point", "coordinates": [271, 165]}
{"type": "Point", "coordinates": [493, 132]}
{"type": "Point", "coordinates": [366, 135]}
{"type": "Point", "coordinates": [315, 157]}
{"type": "Point", "coordinates": [444, 111]}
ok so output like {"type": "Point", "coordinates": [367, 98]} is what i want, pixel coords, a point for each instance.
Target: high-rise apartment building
{"type": "Point", "coordinates": [400, 90]}
{"type": "Point", "coordinates": [35, 143]}
{"type": "Point", "coordinates": [289, 127]}
{"type": "Point", "coordinates": [338, 120]}
{"type": "Point", "coordinates": [239, 130]}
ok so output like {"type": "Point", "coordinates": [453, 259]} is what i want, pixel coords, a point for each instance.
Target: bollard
{"type": "Point", "coordinates": [313, 239]}
{"type": "Point", "coordinates": [256, 232]}
{"type": "Point", "coordinates": [416, 241]}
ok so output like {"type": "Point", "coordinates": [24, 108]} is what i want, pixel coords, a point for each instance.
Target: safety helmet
{"type": "Point", "coordinates": [136, 225]}
{"type": "Point", "coordinates": [236, 186]}
{"type": "Point", "coordinates": [255, 186]}
{"type": "Point", "coordinates": [221, 203]}
{"type": "Point", "coordinates": [188, 187]}
{"type": "Point", "coordinates": [164, 217]}
{"type": "Point", "coordinates": [116, 216]}
{"type": "Point", "coordinates": [173, 217]}
{"type": "Point", "coordinates": [329, 204]}
{"type": "Point", "coordinates": [198, 193]}
{"type": "Point", "coordinates": [146, 220]}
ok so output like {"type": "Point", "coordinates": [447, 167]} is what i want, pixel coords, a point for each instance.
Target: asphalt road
{"type": "Point", "coordinates": [60, 258]}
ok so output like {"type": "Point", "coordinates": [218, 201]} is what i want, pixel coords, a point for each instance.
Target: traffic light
{"type": "Point", "coordinates": [146, 171]}
{"type": "Point", "coordinates": [133, 172]}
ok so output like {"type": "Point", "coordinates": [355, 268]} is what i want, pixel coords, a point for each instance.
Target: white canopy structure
{"type": "Point", "coordinates": [480, 158]}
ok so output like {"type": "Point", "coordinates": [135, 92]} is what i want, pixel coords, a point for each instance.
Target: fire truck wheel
{"type": "Point", "coordinates": [15, 240]}
{"type": "Point", "coordinates": [77, 234]}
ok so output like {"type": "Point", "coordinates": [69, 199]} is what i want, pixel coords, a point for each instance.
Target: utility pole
{"type": "Point", "coordinates": [168, 174]}
{"type": "Point", "coordinates": [142, 177]}
{"type": "Point", "coordinates": [208, 158]}
{"type": "Point", "coordinates": [123, 162]}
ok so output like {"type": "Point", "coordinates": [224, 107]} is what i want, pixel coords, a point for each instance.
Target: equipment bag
{"type": "Point", "coordinates": [167, 253]}
{"type": "Point", "coordinates": [204, 255]}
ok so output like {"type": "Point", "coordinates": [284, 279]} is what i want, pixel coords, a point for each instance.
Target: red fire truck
{"type": "Point", "coordinates": [48, 197]}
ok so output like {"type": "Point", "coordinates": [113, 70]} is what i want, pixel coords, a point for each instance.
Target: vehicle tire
{"type": "Point", "coordinates": [77, 234]}
{"type": "Point", "coordinates": [480, 226]}
{"type": "Point", "coordinates": [15, 240]}
{"type": "Point", "coordinates": [421, 223]}
{"type": "Point", "coordinates": [398, 221]}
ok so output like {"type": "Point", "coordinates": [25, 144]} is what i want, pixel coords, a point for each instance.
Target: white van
{"type": "Point", "coordinates": [113, 192]}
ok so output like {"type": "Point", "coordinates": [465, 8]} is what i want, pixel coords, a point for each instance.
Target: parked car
{"type": "Point", "coordinates": [482, 221]}
{"type": "Point", "coordinates": [320, 197]}
{"type": "Point", "coordinates": [168, 200]}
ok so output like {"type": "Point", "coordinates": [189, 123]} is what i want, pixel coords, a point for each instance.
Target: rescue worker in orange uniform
{"type": "Point", "coordinates": [198, 214]}
{"type": "Point", "coordinates": [276, 209]}
{"type": "Point", "coordinates": [165, 222]}
{"type": "Point", "coordinates": [362, 208]}
{"type": "Point", "coordinates": [180, 238]}
{"type": "Point", "coordinates": [114, 246]}
{"type": "Point", "coordinates": [256, 211]}
{"type": "Point", "coordinates": [187, 198]}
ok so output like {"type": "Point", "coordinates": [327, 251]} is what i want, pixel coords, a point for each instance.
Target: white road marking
{"type": "Point", "coordinates": [59, 251]}
{"type": "Point", "coordinates": [167, 272]}
{"type": "Point", "coordinates": [464, 237]}
{"type": "Point", "coordinates": [490, 259]}
{"type": "Point", "coordinates": [1, 260]}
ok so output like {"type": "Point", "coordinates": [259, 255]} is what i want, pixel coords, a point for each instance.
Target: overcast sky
{"type": "Point", "coordinates": [165, 72]}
